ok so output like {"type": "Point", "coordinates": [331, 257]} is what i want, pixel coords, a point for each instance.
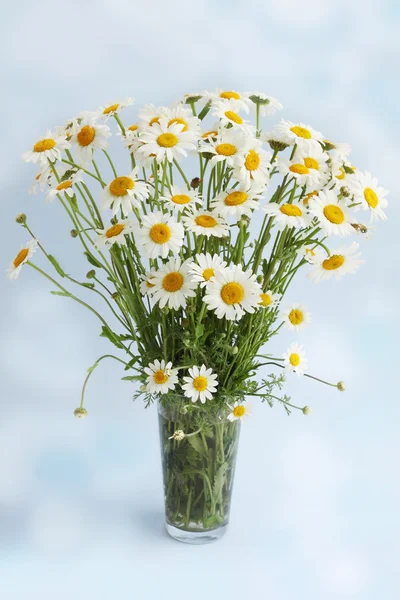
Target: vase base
{"type": "Point", "coordinates": [195, 537]}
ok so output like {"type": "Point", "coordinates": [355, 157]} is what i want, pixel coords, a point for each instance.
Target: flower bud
{"type": "Point", "coordinates": [234, 350]}
{"type": "Point", "coordinates": [143, 388]}
{"type": "Point", "coordinates": [194, 184]}
{"type": "Point", "coordinates": [192, 99]}
{"type": "Point", "coordinates": [178, 435]}
{"type": "Point", "coordinates": [306, 410]}
{"type": "Point", "coordinates": [260, 279]}
{"type": "Point", "coordinates": [183, 410]}
{"type": "Point", "coordinates": [340, 386]}
{"type": "Point", "coordinates": [344, 190]}
{"type": "Point", "coordinates": [91, 274]}
{"type": "Point", "coordinates": [115, 295]}
{"type": "Point", "coordinates": [74, 233]}
{"type": "Point", "coordinates": [80, 413]}
{"type": "Point", "coordinates": [165, 310]}
{"type": "Point", "coordinates": [21, 218]}
{"type": "Point", "coordinates": [243, 222]}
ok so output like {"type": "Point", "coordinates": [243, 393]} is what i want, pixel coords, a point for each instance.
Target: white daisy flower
{"type": "Point", "coordinates": [147, 285]}
{"type": "Point", "coordinates": [48, 148]}
{"type": "Point", "coordinates": [333, 216]}
{"type": "Point", "coordinates": [303, 175]}
{"type": "Point", "coordinates": [238, 201]}
{"type": "Point", "coordinates": [306, 199]}
{"type": "Point", "coordinates": [23, 255]}
{"type": "Point", "coordinates": [252, 164]}
{"type": "Point", "coordinates": [371, 195]}
{"type": "Point", "coordinates": [205, 267]}
{"type": "Point", "coordinates": [166, 141]}
{"type": "Point", "coordinates": [295, 359]}
{"type": "Point", "coordinates": [345, 259]}
{"type": "Point", "coordinates": [172, 284]}
{"type": "Point", "coordinates": [161, 377]}
{"type": "Point", "coordinates": [238, 411]}
{"type": "Point", "coordinates": [288, 215]}
{"type": "Point", "coordinates": [295, 133]}
{"type": "Point", "coordinates": [337, 151]}
{"type": "Point", "coordinates": [160, 234]}
{"type": "Point", "coordinates": [308, 253]}
{"type": "Point", "coordinates": [44, 178]}
{"type": "Point", "coordinates": [115, 234]}
{"type": "Point", "coordinates": [269, 300]}
{"type": "Point", "coordinates": [88, 137]}
{"type": "Point", "coordinates": [206, 222]}
{"type": "Point", "coordinates": [65, 187]}
{"type": "Point", "coordinates": [180, 198]}
{"type": "Point", "coordinates": [125, 193]}
{"type": "Point", "coordinates": [201, 384]}
{"type": "Point", "coordinates": [232, 292]}
{"type": "Point", "coordinates": [238, 100]}
{"type": "Point", "coordinates": [268, 104]}
{"type": "Point", "coordinates": [315, 159]}
{"type": "Point", "coordinates": [296, 317]}
{"type": "Point", "coordinates": [108, 110]}
{"type": "Point", "coordinates": [182, 116]}
{"type": "Point", "coordinates": [150, 114]}
{"type": "Point", "coordinates": [342, 173]}
{"type": "Point", "coordinates": [225, 146]}
{"type": "Point", "coordinates": [227, 112]}
{"type": "Point", "coordinates": [211, 134]}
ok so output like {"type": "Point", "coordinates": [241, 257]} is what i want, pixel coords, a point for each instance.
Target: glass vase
{"type": "Point", "coordinates": [198, 464]}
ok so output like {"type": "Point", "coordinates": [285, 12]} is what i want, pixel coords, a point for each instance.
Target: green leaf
{"type": "Point", "coordinates": [219, 480]}
{"type": "Point", "coordinates": [60, 294]}
{"type": "Point", "coordinates": [199, 331]}
{"type": "Point", "coordinates": [203, 113]}
{"type": "Point", "coordinates": [132, 362]}
{"type": "Point", "coordinates": [132, 378]}
{"type": "Point", "coordinates": [197, 444]}
{"type": "Point", "coordinates": [113, 337]}
{"type": "Point", "coordinates": [56, 265]}
{"type": "Point", "coordinates": [74, 203]}
{"type": "Point", "coordinates": [93, 261]}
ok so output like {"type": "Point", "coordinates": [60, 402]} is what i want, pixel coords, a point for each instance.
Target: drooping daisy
{"type": "Point", "coordinates": [227, 112]}
{"type": "Point", "coordinates": [125, 193]}
{"type": "Point", "coordinates": [161, 377]}
{"type": "Point", "coordinates": [108, 110]}
{"type": "Point", "coordinates": [345, 259]}
{"type": "Point", "coordinates": [252, 164]}
{"type": "Point", "coordinates": [232, 292]}
{"type": "Point", "coordinates": [23, 255]}
{"type": "Point", "coordinates": [371, 195]}
{"type": "Point", "coordinates": [238, 100]}
{"type": "Point", "coordinates": [206, 222]}
{"type": "Point", "coordinates": [297, 170]}
{"type": "Point", "coordinates": [88, 137]}
{"type": "Point", "coordinates": [315, 159]}
{"type": "Point", "coordinates": [173, 284]}
{"type": "Point", "coordinates": [307, 252]}
{"type": "Point", "coordinates": [238, 411]}
{"type": "Point", "coordinates": [295, 359]}
{"type": "Point", "coordinates": [333, 216]}
{"type": "Point", "coordinates": [268, 299]}
{"type": "Point", "coordinates": [238, 201]}
{"type": "Point", "coordinates": [166, 141]}
{"type": "Point", "coordinates": [205, 267]}
{"type": "Point", "coordinates": [225, 146]}
{"type": "Point", "coordinates": [147, 285]}
{"type": "Point", "coordinates": [182, 116]}
{"type": "Point", "coordinates": [48, 148]}
{"type": "Point", "coordinates": [201, 384]}
{"type": "Point", "coordinates": [268, 104]}
{"type": "Point", "coordinates": [295, 133]}
{"type": "Point", "coordinates": [181, 198]}
{"type": "Point", "coordinates": [160, 234]}
{"type": "Point", "coordinates": [115, 234]}
{"type": "Point", "coordinates": [288, 215]}
{"type": "Point", "coordinates": [296, 317]}
{"type": "Point", "coordinates": [65, 187]}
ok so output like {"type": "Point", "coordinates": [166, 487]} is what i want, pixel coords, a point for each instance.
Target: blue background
{"type": "Point", "coordinates": [316, 502]}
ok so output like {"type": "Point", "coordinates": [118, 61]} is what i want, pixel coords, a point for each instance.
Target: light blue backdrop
{"type": "Point", "coordinates": [316, 503]}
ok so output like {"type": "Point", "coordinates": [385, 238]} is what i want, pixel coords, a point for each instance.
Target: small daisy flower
{"type": "Point", "coordinates": [147, 285]}
{"type": "Point", "coordinates": [337, 151]}
{"type": "Point", "coordinates": [343, 260]}
{"type": "Point", "coordinates": [343, 172]}
{"type": "Point", "coordinates": [182, 116]}
{"type": "Point", "coordinates": [150, 114]}
{"type": "Point", "coordinates": [288, 215]}
{"type": "Point", "coordinates": [161, 377]}
{"type": "Point", "coordinates": [205, 267]}
{"type": "Point", "coordinates": [232, 292]}
{"type": "Point", "coordinates": [268, 104]}
{"type": "Point", "coordinates": [23, 255]}
{"type": "Point", "coordinates": [295, 359]}
{"type": "Point", "coordinates": [181, 198]}
{"type": "Point", "coordinates": [308, 253]}
{"type": "Point", "coordinates": [178, 435]}
{"type": "Point", "coordinates": [269, 300]}
{"type": "Point", "coordinates": [297, 170]}
{"type": "Point", "coordinates": [65, 187]}
{"type": "Point", "coordinates": [44, 178]}
{"type": "Point", "coordinates": [252, 164]}
{"type": "Point", "coordinates": [241, 200]}
{"type": "Point", "coordinates": [371, 195]}
{"type": "Point", "coordinates": [201, 384]}
{"type": "Point", "coordinates": [296, 317]}
{"type": "Point", "coordinates": [48, 148]}
{"type": "Point", "coordinates": [88, 137]}
{"type": "Point", "coordinates": [115, 234]}
{"type": "Point", "coordinates": [333, 216]}
{"type": "Point", "coordinates": [206, 222]}
{"type": "Point", "coordinates": [238, 411]}
{"type": "Point", "coordinates": [227, 112]}
{"type": "Point", "coordinates": [225, 146]}
{"type": "Point", "coordinates": [173, 284]}
{"type": "Point", "coordinates": [166, 141]}
{"type": "Point", "coordinates": [108, 110]}
{"type": "Point", "coordinates": [315, 159]}
{"type": "Point", "coordinates": [125, 193]}
{"type": "Point", "coordinates": [238, 100]}
{"type": "Point", "coordinates": [160, 234]}
{"type": "Point", "coordinates": [295, 133]}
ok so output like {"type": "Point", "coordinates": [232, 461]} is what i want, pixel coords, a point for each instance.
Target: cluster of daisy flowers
{"type": "Point", "coordinates": [187, 238]}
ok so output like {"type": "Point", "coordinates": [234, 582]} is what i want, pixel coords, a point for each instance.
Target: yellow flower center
{"type": "Point", "coordinates": [86, 135]}
{"type": "Point", "coordinates": [341, 175]}
{"type": "Point", "coordinates": [115, 230]}
{"type": "Point", "coordinates": [307, 198]}
{"type": "Point", "coordinates": [235, 198]}
{"type": "Point", "coordinates": [205, 221]}
{"type": "Point", "coordinates": [173, 281]}
{"type": "Point", "coordinates": [296, 316]}
{"type": "Point", "coordinates": [299, 169]}
{"type": "Point", "coordinates": [301, 132]}
{"type": "Point", "coordinates": [167, 140]}
{"type": "Point", "coordinates": [133, 127]}
{"type": "Point", "coordinates": [180, 199]}
{"type": "Point", "coordinates": [208, 273]}
{"type": "Point", "coordinates": [211, 133]}
{"type": "Point", "coordinates": [266, 299]}
{"type": "Point", "coordinates": [230, 95]}
{"type": "Point", "coordinates": [371, 198]}
{"type": "Point", "coordinates": [180, 122]}
{"type": "Point", "coordinates": [160, 377]}
{"type": "Point", "coordinates": [333, 262]}
{"type": "Point", "coordinates": [43, 145]}
{"type": "Point", "coordinates": [232, 116]}
{"type": "Point", "coordinates": [311, 163]}
{"type": "Point", "coordinates": [232, 293]}
{"type": "Point", "coordinates": [252, 161]}
{"type": "Point", "coordinates": [200, 383]}
{"type": "Point", "coordinates": [121, 185]}
{"type": "Point", "coordinates": [291, 210]}
{"type": "Point", "coordinates": [160, 233]}
{"type": "Point", "coordinates": [239, 411]}
{"type": "Point", "coordinates": [294, 359]}
{"type": "Point", "coordinates": [21, 256]}
{"type": "Point", "coordinates": [334, 214]}
{"type": "Point", "coordinates": [110, 109]}
{"type": "Point", "coordinates": [64, 185]}
{"type": "Point", "coordinates": [225, 149]}
{"type": "Point", "coordinates": [154, 120]}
